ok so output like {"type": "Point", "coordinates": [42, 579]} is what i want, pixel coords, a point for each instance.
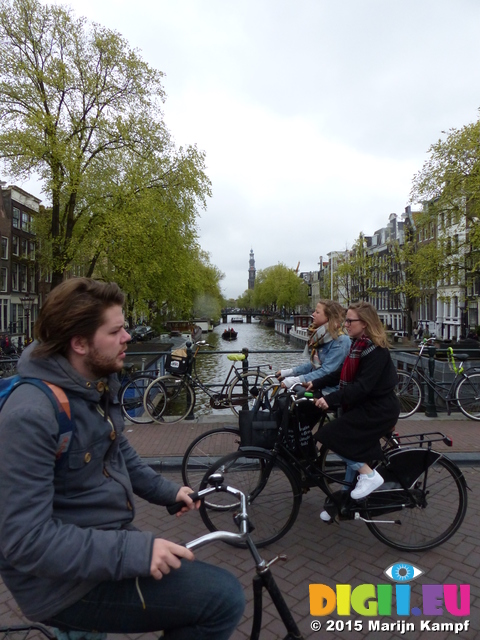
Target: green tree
{"type": "Point", "coordinates": [245, 301]}
{"type": "Point", "coordinates": [81, 110]}
{"type": "Point", "coordinates": [355, 273]}
{"type": "Point", "coordinates": [279, 288]}
{"type": "Point", "coordinates": [448, 185]}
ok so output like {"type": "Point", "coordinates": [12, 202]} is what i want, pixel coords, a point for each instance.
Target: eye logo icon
{"type": "Point", "coordinates": [402, 572]}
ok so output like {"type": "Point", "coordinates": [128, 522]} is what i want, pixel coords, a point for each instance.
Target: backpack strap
{"type": "Point", "coordinates": [63, 414]}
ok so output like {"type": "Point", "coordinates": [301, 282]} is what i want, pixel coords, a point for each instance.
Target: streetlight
{"type": "Point", "coordinates": [27, 303]}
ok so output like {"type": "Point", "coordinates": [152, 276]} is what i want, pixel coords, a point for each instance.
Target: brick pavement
{"type": "Point", "coordinates": [319, 553]}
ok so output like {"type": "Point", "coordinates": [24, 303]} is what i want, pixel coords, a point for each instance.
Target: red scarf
{"type": "Point", "coordinates": [360, 348]}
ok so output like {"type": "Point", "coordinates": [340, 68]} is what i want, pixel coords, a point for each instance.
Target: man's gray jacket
{"type": "Point", "coordinates": [62, 531]}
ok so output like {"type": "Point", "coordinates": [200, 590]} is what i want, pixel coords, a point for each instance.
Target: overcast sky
{"type": "Point", "coordinates": [314, 114]}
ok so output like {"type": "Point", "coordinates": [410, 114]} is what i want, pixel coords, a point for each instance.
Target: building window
{"type": "Point", "coordinates": [31, 273]}
{"type": "Point", "coordinates": [23, 277]}
{"type": "Point", "coordinates": [15, 245]}
{"type": "Point", "coordinates": [16, 218]}
{"type": "Point", "coordinates": [3, 279]}
{"type": "Point", "coordinates": [31, 250]}
{"type": "Point", "coordinates": [24, 246]}
{"type": "Point", "coordinates": [25, 222]}
{"type": "Point", "coordinates": [14, 277]}
{"type": "Point", "coordinates": [4, 249]}
{"type": "Point", "coordinates": [4, 315]}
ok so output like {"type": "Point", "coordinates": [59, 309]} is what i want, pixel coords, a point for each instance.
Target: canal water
{"type": "Point", "coordinates": [212, 368]}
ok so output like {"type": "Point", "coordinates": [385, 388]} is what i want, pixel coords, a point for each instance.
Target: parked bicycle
{"type": "Point", "coordinates": [263, 579]}
{"type": "Point", "coordinates": [421, 504]}
{"type": "Point", "coordinates": [130, 394]}
{"type": "Point", "coordinates": [171, 398]}
{"type": "Point", "coordinates": [463, 392]}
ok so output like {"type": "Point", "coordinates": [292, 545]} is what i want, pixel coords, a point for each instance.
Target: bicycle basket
{"type": "Point", "coordinates": [176, 362]}
{"type": "Point", "coordinates": [257, 428]}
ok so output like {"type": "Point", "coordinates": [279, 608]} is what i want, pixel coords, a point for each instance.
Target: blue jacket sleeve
{"type": "Point", "coordinates": [332, 356]}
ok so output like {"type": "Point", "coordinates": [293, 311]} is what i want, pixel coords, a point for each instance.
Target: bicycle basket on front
{"type": "Point", "coordinates": [177, 362]}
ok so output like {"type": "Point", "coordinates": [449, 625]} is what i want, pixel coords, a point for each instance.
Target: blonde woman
{"type": "Point", "coordinates": [327, 346]}
{"type": "Point", "coordinates": [366, 395]}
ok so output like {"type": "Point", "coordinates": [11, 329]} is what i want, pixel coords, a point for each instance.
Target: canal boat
{"type": "Point", "coordinates": [229, 334]}
{"type": "Point", "coordinates": [178, 328]}
{"type": "Point", "coordinates": [237, 319]}
{"type": "Point", "coordinates": [299, 331]}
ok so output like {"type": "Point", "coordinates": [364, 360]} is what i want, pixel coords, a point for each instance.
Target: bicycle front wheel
{"type": "Point", "coordinates": [169, 399]}
{"type": "Point", "coordinates": [131, 398]}
{"type": "Point", "coordinates": [439, 512]}
{"type": "Point", "coordinates": [408, 393]}
{"type": "Point", "coordinates": [468, 396]}
{"type": "Point", "coordinates": [244, 390]}
{"type": "Point", "coordinates": [204, 451]}
{"type": "Point", "coordinates": [273, 495]}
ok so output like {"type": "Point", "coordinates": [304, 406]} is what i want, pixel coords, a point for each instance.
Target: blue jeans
{"type": "Point", "coordinates": [198, 601]}
{"type": "Point", "coordinates": [351, 470]}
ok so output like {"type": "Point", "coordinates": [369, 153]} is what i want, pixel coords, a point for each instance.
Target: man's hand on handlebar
{"type": "Point", "coordinates": [183, 495]}
{"type": "Point", "coordinates": [166, 556]}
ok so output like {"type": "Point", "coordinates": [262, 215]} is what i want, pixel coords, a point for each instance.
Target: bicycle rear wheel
{"type": "Point", "coordinates": [442, 505]}
{"type": "Point", "coordinates": [244, 390]}
{"type": "Point", "coordinates": [273, 495]}
{"type": "Point", "coordinates": [408, 393]}
{"type": "Point", "coordinates": [169, 399]}
{"type": "Point", "coordinates": [131, 398]}
{"type": "Point", "coordinates": [468, 396]}
{"type": "Point", "coordinates": [205, 450]}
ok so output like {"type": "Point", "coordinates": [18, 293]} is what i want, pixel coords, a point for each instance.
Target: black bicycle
{"type": "Point", "coordinates": [421, 504]}
{"type": "Point", "coordinates": [171, 398]}
{"type": "Point", "coordinates": [463, 391]}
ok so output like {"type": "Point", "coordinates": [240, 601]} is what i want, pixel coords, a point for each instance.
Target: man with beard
{"type": "Point", "coordinates": [69, 552]}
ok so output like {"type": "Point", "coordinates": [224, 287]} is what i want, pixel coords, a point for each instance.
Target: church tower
{"type": "Point", "coordinates": [251, 271]}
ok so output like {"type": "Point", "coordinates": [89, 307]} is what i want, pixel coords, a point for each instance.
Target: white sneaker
{"type": "Point", "coordinates": [366, 485]}
{"type": "Point", "coordinates": [325, 516]}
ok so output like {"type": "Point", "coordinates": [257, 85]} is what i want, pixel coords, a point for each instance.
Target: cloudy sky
{"type": "Point", "coordinates": [314, 114]}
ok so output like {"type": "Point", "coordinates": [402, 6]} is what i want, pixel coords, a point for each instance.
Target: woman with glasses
{"type": "Point", "coordinates": [366, 397]}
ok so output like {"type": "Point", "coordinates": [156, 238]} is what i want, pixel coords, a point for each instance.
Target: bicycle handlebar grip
{"type": "Point", "coordinates": [177, 506]}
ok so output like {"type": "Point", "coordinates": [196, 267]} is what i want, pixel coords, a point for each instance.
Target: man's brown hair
{"type": "Point", "coordinates": [73, 308]}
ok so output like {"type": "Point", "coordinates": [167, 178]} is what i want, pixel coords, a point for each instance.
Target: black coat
{"type": "Point", "coordinates": [370, 408]}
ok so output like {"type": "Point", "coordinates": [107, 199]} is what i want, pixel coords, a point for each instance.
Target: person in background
{"type": "Point", "coordinates": [69, 552]}
{"type": "Point", "coordinates": [366, 396]}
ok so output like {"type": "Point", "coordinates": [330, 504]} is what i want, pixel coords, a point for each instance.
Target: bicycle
{"type": "Point", "coordinates": [463, 391]}
{"type": "Point", "coordinates": [424, 492]}
{"type": "Point", "coordinates": [171, 398]}
{"type": "Point", "coordinates": [131, 392]}
{"type": "Point", "coordinates": [263, 578]}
